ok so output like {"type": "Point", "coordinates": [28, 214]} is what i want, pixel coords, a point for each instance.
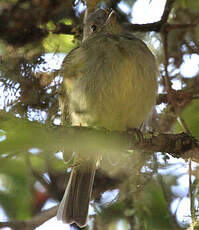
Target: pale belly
{"type": "Point", "coordinates": [116, 92]}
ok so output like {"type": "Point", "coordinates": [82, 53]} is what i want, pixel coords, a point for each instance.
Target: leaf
{"type": "Point", "coordinates": [59, 43]}
{"type": "Point", "coordinates": [153, 208]}
{"type": "Point", "coordinates": [191, 117]}
{"type": "Point", "coordinates": [15, 196]}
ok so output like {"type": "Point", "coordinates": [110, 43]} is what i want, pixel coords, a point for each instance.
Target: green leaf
{"type": "Point", "coordinates": [15, 196]}
{"type": "Point", "coordinates": [153, 208]}
{"type": "Point", "coordinates": [59, 43]}
{"type": "Point", "coordinates": [191, 117]}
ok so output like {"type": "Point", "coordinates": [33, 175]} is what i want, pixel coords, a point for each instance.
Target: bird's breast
{"type": "Point", "coordinates": [118, 87]}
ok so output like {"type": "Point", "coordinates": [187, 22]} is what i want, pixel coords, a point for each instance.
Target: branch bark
{"type": "Point", "coordinates": [33, 223]}
{"type": "Point", "coordinates": [21, 135]}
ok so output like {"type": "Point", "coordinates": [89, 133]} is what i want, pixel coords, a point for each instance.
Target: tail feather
{"type": "Point", "coordinates": [75, 203]}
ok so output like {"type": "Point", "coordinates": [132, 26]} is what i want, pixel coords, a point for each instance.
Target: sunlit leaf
{"type": "Point", "coordinates": [58, 43]}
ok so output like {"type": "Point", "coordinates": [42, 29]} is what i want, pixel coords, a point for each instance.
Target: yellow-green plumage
{"type": "Point", "coordinates": [110, 82]}
{"type": "Point", "coordinates": [116, 87]}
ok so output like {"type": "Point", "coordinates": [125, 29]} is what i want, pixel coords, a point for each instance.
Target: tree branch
{"type": "Point", "coordinates": [155, 26]}
{"type": "Point", "coordinates": [36, 33]}
{"type": "Point", "coordinates": [182, 97]}
{"type": "Point", "coordinates": [33, 223]}
{"type": "Point", "coordinates": [167, 10]}
{"type": "Point", "coordinates": [21, 134]}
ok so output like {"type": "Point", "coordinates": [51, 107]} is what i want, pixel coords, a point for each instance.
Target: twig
{"type": "Point", "coordinates": [166, 62]}
{"type": "Point", "coordinates": [41, 179]}
{"type": "Point", "coordinates": [33, 223]}
{"type": "Point", "coordinates": [167, 10]}
{"type": "Point", "coordinates": [192, 208]}
{"type": "Point", "coordinates": [182, 96]}
{"type": "Point", "coordinates": [156, 26]}
{"type": "Point", "coordinates": [183, 124]}
{"type": "Point", "coordinates": [163, 21]}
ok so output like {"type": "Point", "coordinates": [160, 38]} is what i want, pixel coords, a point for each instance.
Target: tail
{"type": "Point", "coordinates": [75, 202]}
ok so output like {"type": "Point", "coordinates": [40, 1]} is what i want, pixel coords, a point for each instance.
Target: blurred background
{"type": "Point", "coordinates": [131, 191]}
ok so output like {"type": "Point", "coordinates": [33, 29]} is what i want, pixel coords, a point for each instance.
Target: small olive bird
{"type": "Point", "coordinates": [110, 82]}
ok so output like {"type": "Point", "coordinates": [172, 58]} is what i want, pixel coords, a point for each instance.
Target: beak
{"type": "Point", "coordinates": [111, 18]}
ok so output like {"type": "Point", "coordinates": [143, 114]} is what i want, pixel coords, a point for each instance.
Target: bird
{"type": "Point", "coordinates": [109, 81]}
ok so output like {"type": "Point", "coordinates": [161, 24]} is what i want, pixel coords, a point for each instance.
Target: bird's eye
{"type": "Point", "coordinates": [93, 27]}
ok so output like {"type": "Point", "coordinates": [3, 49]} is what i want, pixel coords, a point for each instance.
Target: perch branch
{"type": "Point", "coordinates": [91, 140]}
{"type": "Point", "coordinates": [32, 223]}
